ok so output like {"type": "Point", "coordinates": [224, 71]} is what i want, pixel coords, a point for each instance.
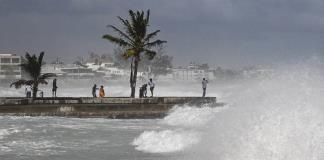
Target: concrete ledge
{"type": "Point", "coordinates": [110, 107]}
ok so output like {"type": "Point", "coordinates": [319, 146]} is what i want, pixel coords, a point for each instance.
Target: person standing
{"type": "Point", "coordinates": [54, 89]}
{"type": "Point", "coordinates": [204, 86]}
{"type": "Point", "coordinates": [28, 91]}
{"type": "Point", "coordinates": [101, 92]}
{"type": "Point", "coordinates": [94, 89]}
{"type": "Point", "coordinates": [152, 85]}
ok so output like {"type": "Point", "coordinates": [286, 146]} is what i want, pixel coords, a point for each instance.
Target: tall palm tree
{"type": "Point", "coordinates": [135, 40]}
{"type": "Point", "coordinates": [32, 65]}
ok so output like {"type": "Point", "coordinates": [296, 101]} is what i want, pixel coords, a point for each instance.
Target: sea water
{"type": "Point", "coordinates": [276, 116]}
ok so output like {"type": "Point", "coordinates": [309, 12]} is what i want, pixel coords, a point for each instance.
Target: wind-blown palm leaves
{"type": "Point", "coordinates": [135, 40]}
{"type": "Point", "coordinates": [32, 65]}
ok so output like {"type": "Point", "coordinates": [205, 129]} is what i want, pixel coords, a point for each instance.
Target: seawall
{"type": "Point", "coordinates": [86, 107]}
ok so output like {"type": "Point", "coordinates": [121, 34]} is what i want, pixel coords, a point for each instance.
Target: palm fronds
{"type": "Point", "coordinates": [22, 82]}
{"type": "Point", "coordinates": [47, 75]}
{"type": "Point", "coordinates": [33, 66]}
{"type": "Point", "coordinates": [134, 38]}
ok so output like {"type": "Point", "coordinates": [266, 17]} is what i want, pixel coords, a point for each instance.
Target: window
{"type": "Point", "coordinates": [10, 67]}
{"type": "Point", "coordinates": [5, 60]}
{"type": "Point", "coordinates": [9, 73]}
{"type": "Point", "coordinates": [15, 60]}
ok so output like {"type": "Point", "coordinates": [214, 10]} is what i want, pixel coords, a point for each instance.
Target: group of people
{"type": "Point", "coordinates": [28, 90]}
{"type": "Point", "coordinates": [142, 91]}
{"type": "Point", "coordinates": [101, 91]}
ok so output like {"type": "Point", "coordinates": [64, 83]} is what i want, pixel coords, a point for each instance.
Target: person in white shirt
{"type": "Point", "coordinates": [152, 85]}
{"type": "Point", "coordinates": [204, 86]}
{"type": "Point", "coordinates": [28, 91]}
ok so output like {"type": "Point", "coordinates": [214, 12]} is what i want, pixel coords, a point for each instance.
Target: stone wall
{"type": "Point", "coordinates": [112, 107]}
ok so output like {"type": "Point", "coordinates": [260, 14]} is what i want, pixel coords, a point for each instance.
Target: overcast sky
{"type": "Point", "coordinates": [227, 33]}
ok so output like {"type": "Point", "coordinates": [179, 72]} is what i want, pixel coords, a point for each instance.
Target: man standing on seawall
{"type": "Point", "coordinates": [204, 86]}
{"type": "Point", "coordinates": [152, 85]}
{"type": "Point", "coordinates": [54, 89]}
{"type": "Point", "coordinates": [94, 89]}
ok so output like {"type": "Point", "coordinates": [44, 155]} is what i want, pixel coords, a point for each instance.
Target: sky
{"type": "Point", "coordinates": [226, 33]}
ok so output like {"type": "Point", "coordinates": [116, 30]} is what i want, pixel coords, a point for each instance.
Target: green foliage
{"type": "Point", "coordinates": [32, 65]}
{"type": "Point", "coordinates": [135, 39]}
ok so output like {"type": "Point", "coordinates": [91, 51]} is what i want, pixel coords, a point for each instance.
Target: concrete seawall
{"type": "Point", "coordinates": [110, 107]}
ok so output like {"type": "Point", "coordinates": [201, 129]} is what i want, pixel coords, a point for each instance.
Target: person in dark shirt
{"type": "Point", "coordinates": [94, 89]}
{"type": "Point", "coordinates": [204, 86]}
{"type": "Point", "coordinates": [54, 89]}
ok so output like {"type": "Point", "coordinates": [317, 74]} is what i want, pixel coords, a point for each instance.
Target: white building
{"type": "Point", "coordinates": [69, 70]}
{"type": "Point", "coordinates": [10, 66]}
{"type": "Point", "coordinates": [192, 72]}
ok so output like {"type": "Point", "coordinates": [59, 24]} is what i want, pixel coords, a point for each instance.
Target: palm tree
{"type": "Point", "coordinates": [135, 40]}
{"type": "Point", "coordinates": [32, 65]}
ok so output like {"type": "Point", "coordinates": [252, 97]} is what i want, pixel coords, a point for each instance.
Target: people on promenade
{"type": "Point", "coordinates": [41, 93]}
{"type": "Point", "coordinates": [101, 92]}
{"type": "Point", "coordinates": [152, 85]}
{"type": "Point", "coordinates": [204, 86]}
{"type": "Point", "coordinates": [28, 91]}
{"type": "Point", "coordinates": [94, 90]}
{"type": "Point", "coordinates": [143, 91]}
{"type": "Point", "coordinates": [54, 89]}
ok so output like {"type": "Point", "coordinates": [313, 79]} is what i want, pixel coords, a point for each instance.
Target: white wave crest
{"type": "Point", "coordinates": [165, 141]}
{"type": "Point", "coordinates": [190, 116]}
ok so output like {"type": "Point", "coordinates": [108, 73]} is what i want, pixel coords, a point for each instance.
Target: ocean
{"type": "Point", "coordinates": [275, 116]}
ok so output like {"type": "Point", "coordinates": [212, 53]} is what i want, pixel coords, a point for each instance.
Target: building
{"type": "Point", "coordinates": [73, 71]}
{"type": "Point", "coordinates": [10, 67]}
{"type": "Point", "coordinates": [193, 71]}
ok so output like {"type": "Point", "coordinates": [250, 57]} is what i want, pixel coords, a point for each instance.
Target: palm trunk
{"type": "Point", "coordinates": [35, 89]}
{"type": "Point", "coordinates": [134, 77]}
{"type": "Point", "coordinates": [131, 78]}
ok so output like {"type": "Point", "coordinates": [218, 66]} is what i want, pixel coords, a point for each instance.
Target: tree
{"type": "Point", "coordinates": [135, 40]}
{"type": "Point", "coordinates": [32, 65]}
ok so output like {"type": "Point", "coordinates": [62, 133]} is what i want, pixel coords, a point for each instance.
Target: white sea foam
{"type": "Point", "coordinates": [190, 116]}
{"type": "Point", "coordinates": [275, 118]}
{"type": "Point", "coordinates": [165, 141]}
{"type": "Point", "coordinates": [6, 132]}
{"type": "Point", "coordinates": [41, 147]}
{"type": "Point", "coordinates": [186, 119]}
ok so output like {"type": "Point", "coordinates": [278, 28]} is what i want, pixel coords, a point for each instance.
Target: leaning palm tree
{"type": "Point", "coordinates": [32, 65]}
{"type": "Point", "coordinates": [135, 40]}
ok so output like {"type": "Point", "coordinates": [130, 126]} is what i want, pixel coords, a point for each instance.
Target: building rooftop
{"type": "Point", "coordinates": [7, 54]}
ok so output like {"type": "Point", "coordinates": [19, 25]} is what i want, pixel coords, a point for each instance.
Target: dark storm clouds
{"type": "Point", "coordinates": [229, 33]}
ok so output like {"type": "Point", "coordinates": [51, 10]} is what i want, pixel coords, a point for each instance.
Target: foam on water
{"type": "Point", "coordinates": [277, 117]}
{"type": "Point", "coordinates": [190, 116]}
{"type": "Point", "coordinates": [183, 124]}
{"type": "Point", "coordinates": [165, 141]}
{"type": "Point", "coordinates": [33, 147]}
{"type": "Point", "coordinates": [6, 132]}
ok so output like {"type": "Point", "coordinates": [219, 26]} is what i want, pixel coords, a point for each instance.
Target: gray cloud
{"type": "Point", "coordinates": [230, 33]}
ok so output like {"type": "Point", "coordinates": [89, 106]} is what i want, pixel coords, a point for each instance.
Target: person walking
{"type": "Point", "coordinates": [54, 89]}
{"type": "Point", "coordinates": [152, 85]}
{"type": "Point", "coordinates": [28, 91]}
{"type": "Point", "coordinates": [204, 86]}
{"type": "Point", "coordinates": [101, 92]}
{"type": "Point", "coordinates": [94, 89]}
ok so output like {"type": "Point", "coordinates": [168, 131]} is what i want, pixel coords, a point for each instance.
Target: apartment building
{"type": "Point", "coordinates": [10, 66]}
